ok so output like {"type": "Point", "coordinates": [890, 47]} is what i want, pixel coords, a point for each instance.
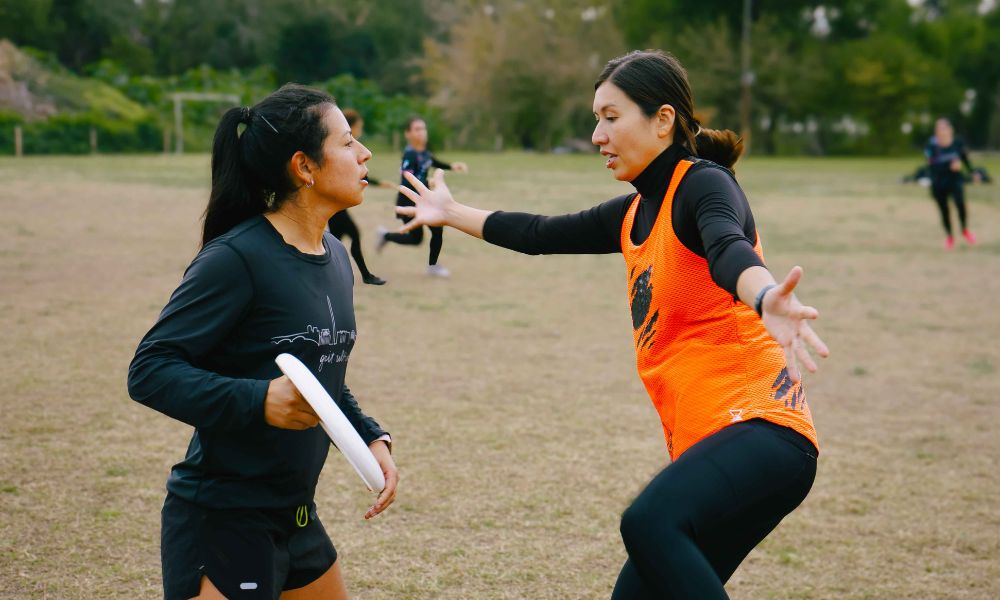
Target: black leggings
{"type": "Point", "coordinates": [342, 224]}
{"type": "Point", "coordinates": [415, 236]}
{"type": "Point", "coordinates": [941, 193]}
{"type": "Point", "coordinates": [699, 518]}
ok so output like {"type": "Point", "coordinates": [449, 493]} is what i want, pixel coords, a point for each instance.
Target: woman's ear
{"type": "Point", "coordinates": [300, 168]}
{"type": "Point", "coordinates": [665, 117]}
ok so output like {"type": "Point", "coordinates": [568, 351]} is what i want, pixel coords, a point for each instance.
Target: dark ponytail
{"type": "Point", "coordinates": [652, 78]}
{"type": "Point", "coordinates": [250, 170]}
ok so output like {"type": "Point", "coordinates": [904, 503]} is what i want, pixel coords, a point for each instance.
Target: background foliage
{"type": "Point", "coordinates": [830, 77]}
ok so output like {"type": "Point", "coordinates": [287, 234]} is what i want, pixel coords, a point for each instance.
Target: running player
{"type": "Point", "coordinates": [945, 156]}
{"type": "Point", "coordinates": [717, 340]}
{"type": "Point", "coordinates": [239, 520]}
{"type": "Point", "coordinates": [417, 161]}
{"type": "Point", "coordinates": [342, 224]}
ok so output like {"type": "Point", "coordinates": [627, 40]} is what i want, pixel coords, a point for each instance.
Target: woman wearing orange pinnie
{"type": "Point", "coordinates": [717, 340]}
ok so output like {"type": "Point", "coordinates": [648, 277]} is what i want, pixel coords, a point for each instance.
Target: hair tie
{"type": "Point", "coordinates": [247, 115]}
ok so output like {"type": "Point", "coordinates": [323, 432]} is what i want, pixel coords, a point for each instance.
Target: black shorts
{"type": "Point", "coordinates": [245, 553]}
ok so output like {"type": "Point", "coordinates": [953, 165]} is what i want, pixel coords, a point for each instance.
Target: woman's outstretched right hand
{"type": "Point", "coordinates": [285, 408]}
{"type": "Point", "coordinates": [436, 208]}
{"type": "Point", "coordinates": [431, 204]}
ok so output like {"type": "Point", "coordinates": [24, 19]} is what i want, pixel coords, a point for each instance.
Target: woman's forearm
{"type": "Point", "coordinates": [467, 219]}
{"type": "Point", "coordinates": [751, 282]}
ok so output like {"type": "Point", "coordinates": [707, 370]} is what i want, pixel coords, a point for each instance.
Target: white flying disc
{"type": "Point", "coordinates": [333, 421]}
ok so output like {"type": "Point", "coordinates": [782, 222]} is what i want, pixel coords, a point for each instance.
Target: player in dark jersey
{"type": "Point", "coordinates": [239, 519]}
{"type": "Point", "coordinates": [945, 156]}
{"type": "Point", "coordinates": [418, 160]}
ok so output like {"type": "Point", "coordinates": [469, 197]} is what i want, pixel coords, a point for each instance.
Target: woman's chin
{"type": "Point", "coordinates": [620, 174]}
{"type": "Point", "coordinates": [355, 200]}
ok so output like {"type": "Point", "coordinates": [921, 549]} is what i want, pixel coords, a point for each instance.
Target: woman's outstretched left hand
{"type": "Point", "coordinates": [787, 320]}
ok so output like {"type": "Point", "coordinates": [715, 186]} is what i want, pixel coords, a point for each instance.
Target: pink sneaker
{"type": "Point", "coordinates": [949, 243]}
{"type": "Point", "coordinates": [969, 237]}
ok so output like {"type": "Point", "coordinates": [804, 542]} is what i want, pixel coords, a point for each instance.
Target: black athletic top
{"type": "Point", "coordinates": [939, 159]}
{"type": "Point", "coordinates": [711, 217]}
{"type": "Point", "coordinates": [247, 297]}
{"type": "Point", "coordinates": [419, 163]}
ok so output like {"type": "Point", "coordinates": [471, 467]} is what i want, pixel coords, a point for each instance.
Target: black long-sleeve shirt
{"type": "Point", "coordinates": [710, 215]}
{"type": "Point", "coordinates": [247, 297]}
{"type": "Point", "coordinates": [419, 163]}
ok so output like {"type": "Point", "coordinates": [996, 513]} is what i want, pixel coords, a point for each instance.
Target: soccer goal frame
{"type": "Point", "coordinates": [180, 97]}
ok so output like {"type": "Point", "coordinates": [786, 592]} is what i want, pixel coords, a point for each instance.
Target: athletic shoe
{"type": "Point", "coordinates": [380, 240]}
{"type": "Point", "coordinates": [373, 280]}
{"type": "Point", "coordinates": [949, 243]}
{"type": "Point", "coordinates": [969, 237]}
{"type": "Point", "coordinates": [438, 271]}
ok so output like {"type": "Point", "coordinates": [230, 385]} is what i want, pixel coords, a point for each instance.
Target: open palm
{"type": "Point", "coordinates": [787, 320]}
{"type": "Point", "coordinates": [431, 204]}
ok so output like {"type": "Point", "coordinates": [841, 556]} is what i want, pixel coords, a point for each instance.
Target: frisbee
{"type": "Point", "coordinates": [334, 422]}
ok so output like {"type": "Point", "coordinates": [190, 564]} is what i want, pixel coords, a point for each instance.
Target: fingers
{"type": "Point", "coordinates": [300, 417]}
{"type": "Point", "coordinates": [437, 181]}
{"type": "Point", "coordinates": [806, 333]}
{"type": "Point", "coordinates": [416, 183]}
{"type": "Point", "coordinates": [385, 499]}
{"type": "Point", "coordinates": [406, 211]}
{"type": "Point", "coordinates": [407, 227]}
{"type": "Point", "coordinates": [792, 364]}
{"type": "Point", "coordinates": [415, 197]}
{"type": "Point", "coordinates": [793, 368]}
{"type": "Point", "coordinates": [388, 494]}
{"type": "Point", "coordinates": [803, 355]}
{"type": "Point", "coordinates": [805, 312]}
{"type": "Point", "coordinates": [791, 280]}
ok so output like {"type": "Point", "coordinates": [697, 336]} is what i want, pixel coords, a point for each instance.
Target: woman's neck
{"type": "Point", "coordinates": [299, 226]}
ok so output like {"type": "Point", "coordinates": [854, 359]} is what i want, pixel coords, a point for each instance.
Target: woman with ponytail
{"type": "Point", "coordinates": [239, 520]}
{"type": "Point", "coordinates": [717, 339]}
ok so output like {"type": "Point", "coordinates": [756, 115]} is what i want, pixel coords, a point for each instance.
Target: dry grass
{"type": "Point", "coordinates": [521, 428]}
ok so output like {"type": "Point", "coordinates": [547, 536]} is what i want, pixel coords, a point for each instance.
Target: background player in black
{"type": "Point", "coordinates": [945, 156]}
{"type": "Point", "coordinates": [418, 160]}
{"type": "Point", "coordinates": [239, 519]}
{"type": "Point", "coordinates": [342, 224]}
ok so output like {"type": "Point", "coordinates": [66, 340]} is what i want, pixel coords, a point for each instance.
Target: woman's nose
{"type": "Point", "coordinates": [599, 138]}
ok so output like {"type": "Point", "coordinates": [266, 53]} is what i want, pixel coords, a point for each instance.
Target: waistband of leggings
{"type": "Point", "coordinates": [793, 437]}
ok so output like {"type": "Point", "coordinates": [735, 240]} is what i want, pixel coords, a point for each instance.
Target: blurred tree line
{"type": "Point", "coordinates": [829, 77]}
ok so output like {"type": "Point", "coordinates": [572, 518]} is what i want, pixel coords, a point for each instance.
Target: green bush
{"type": "Point", "coordinates": [384, 114]}
{"type": "Point", "coordinates": [70, 134]}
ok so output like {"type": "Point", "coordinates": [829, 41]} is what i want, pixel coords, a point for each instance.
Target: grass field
{"type": "Point", "coordinates": [521, 428]}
